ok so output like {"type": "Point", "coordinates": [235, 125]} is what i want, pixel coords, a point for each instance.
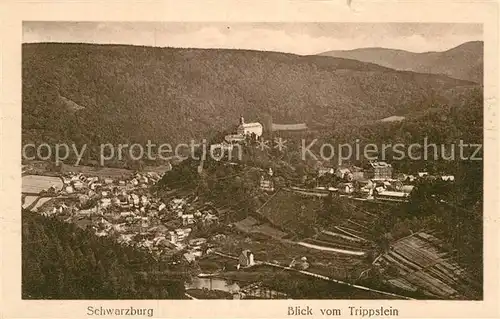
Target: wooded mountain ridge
{"type": "Point", "coordinates": [93, 94]}
{"type": "Point", "coordinates": [462, 62]}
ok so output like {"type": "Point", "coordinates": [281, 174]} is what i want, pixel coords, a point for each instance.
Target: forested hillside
{"type": "Point", "coordinates": [440, 124]}
{"type": "Point", "coordinates": [462, 62]}
{"type": "Point", "coordinates": [95, 94]}
{"type": "Point", "coordinates": [62, 261]}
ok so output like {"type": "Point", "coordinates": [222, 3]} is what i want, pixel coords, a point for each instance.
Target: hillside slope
{"type": "Point", "coordinates": [132, 94]}
{"type": "Point", "coordinates": [462, 62]}
{"type": "Point", "coordinates": [62, 261]}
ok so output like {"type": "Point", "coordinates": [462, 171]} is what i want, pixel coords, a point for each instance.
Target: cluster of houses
{"type": "Point", "coordinates": [82, 184]}
{"type": "Point", "coordinates": [189, 215]}
{"type": "Point", "coordinates": [126, 210]}
{"type": "Point", "coordinates": [375, 170]}
{"type": "Point", "coordinates": [376, 180]}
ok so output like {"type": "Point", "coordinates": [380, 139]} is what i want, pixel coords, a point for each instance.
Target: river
{"type": "Point", "coordinates": [212, 284]}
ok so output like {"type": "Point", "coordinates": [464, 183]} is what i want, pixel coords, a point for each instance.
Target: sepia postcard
{"type": "Point", "coordinates": [234, 159]}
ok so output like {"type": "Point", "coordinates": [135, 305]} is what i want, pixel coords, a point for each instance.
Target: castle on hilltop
{"type": "Point", "coordinates": [249, 128]}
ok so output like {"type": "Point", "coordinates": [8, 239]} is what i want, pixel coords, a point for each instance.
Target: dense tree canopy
{"type": "Point", "coordinates": [94, 94]}
{"type": "Point", "coordinates": [62, 261]}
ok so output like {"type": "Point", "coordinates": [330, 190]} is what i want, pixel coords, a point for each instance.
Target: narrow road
{"type": "Point", "coordinates": [337, 250]}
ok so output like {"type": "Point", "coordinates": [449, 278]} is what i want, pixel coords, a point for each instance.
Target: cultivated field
{"type": "Point", "coordinates": [98, 171]}
{"type": "Point", "coordinates": [28, 201]}
{"type": "Point", "coordinates": [419, 262]}
{"type": "Point", "coordinates": [37, 183]}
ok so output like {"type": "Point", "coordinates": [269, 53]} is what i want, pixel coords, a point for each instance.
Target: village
{"type": "Point", "coordinates": [129, 209]}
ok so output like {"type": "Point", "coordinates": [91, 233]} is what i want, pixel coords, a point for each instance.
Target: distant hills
{"type": "Point", "coordinates": [127, 94]}
{"type": "Point", "coordinates": [462, 62]}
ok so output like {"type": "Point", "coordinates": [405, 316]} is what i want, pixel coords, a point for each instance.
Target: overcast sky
{"type": "Point", "coordinates": [298, 38]}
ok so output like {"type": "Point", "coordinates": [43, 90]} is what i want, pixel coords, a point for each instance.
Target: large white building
{"type": "Point", "coordinates": [249, 128]}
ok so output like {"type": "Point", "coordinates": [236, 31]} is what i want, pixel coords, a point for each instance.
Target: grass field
{"type": "Point", "coordinates": [251, 225]}
{"type": "Point", "coordinates": [28, 201]}
{"type": "Point", "coordinates": [291, 211]}
{"type": "Point", "coordinates": [37, 183]}
{"type": "Point", "coordinates": [267, 249]}
{"type": "Point", "coordinates": [98, 171]}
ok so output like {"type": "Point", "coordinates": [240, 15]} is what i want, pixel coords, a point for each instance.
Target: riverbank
{"type": "Point", "coordinates": [208, 294]}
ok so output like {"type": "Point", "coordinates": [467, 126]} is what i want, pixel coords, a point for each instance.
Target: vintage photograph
{"type": "Point", "coordinates": [216, 160]}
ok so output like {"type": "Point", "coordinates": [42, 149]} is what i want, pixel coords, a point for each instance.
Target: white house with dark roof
{"type": "Point", "coordinates": [246, 259]}
{"type": "Point", "coordinates": [249, 128]}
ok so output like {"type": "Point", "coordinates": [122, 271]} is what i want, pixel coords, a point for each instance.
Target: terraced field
{"type": "Point", "coordinates": [418, 262]}
{"type": "Point", "coordinates": [342, 242]}
{"type": "Point", "coordinates": [295, 210]}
